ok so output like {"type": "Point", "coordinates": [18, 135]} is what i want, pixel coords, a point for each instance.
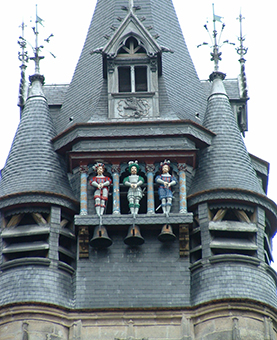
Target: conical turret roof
{"type": "Point", "coordinates": [225, 164]}
{"type": "Point", "coordinates": [180, 92]}
{"type": "Point", "coordinates": [33, 167]}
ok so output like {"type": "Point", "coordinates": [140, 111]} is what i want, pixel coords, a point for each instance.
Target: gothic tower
{"type": "Point", "coordinates": [130, 206]}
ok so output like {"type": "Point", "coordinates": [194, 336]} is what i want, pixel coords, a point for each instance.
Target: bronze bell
{"type": "Point", "coordinates": [166, 234]}
{"type": "Point", "coordinates": [134, 237]}
{"type": "Point", "coordinates": [100, 238]}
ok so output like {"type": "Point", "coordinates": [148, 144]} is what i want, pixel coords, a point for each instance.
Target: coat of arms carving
{"type": "Point", "coordinates": [133, 107]}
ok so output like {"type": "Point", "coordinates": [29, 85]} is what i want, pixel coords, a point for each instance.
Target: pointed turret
{"type": "Point", "coordinates": [232, 213]}
{"type": "Point", "coordinates": [37, 205]}
{"type": "Point", "coordinates": [32, 166]}
{"type": "Point", "coordinates": [33, 171]}
{"type": "Point", "coordinates": [226, 163]}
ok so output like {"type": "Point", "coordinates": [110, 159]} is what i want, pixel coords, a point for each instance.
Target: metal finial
{"type": "Point", "coordinates": [241, 50]}
{"type": "Point", "coordinates": [37, 48]}
{"type": "Point", "coordinates": [216, 55]}
{"type": "Point", "coordinates": [24, 58]}
{"type": "Point", "coordinates": [23, 55]}
{"type": "Point", "coordinates": [215, 40]}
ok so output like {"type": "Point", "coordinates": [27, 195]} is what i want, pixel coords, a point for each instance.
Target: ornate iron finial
{"type": "Point", "coordinates": [37, 48]}
{"type": "Point", "coordinates": [23, 55]}
{"type": "Point", "coordinates": [241, 50]}
{"type": "Point", "coordinates": [216, 55]}
{"type": "Point", "coordinates": [24, 58]}
{"type": "Point", "coordinates": [215, 40]}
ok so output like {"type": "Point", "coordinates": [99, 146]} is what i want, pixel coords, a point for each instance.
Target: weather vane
{"type": "Point", "coordinates": [215, 40]}
{"type": "Point", "coordinates": [37, 49]}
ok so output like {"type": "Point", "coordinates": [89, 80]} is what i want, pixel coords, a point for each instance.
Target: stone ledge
{"type": "Point", "coordinates": [37, 261]}
{"type": "Point", "coordinates": [143, 219]}
{"type": "Point", "coordinates": [235, 258]}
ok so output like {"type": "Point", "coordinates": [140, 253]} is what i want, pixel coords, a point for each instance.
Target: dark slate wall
{"type": "Point", "coordinates": [36, 284]}
{"type": "Point", "coordinates": [233, 280]}
{"type": "Point", "coordinates": [151, 275]}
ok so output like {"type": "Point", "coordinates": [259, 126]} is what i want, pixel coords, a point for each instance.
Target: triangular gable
{"type": "Point", "coordinates": [131, 26]}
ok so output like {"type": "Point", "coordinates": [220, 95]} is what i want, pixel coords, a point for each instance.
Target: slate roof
{"type": "Point", "coordinates": [55, 93]}
{"type": "Point", "coordinates": [226, 163]}
{"type": "Point", "coordinates": [231, 87]}
{"type": "Point", "coordinates": [32, 164]}
{"type": "Point", "coordinates": [181, 92]}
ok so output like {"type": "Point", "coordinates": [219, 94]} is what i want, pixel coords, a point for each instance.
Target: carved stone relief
{"type": "Point", "coordinates": [133, 107]}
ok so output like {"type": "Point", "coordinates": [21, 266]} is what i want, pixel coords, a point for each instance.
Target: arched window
{"type": "Point", "coordinates": [132, 78]}
{"type": "Point", "coordinates": [132, 48]}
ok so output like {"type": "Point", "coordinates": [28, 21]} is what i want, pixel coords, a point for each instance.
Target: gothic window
{"type": "Point", "coordinates": [132, 78]}
{"type": "Point", "coordinates": [132, 48]}
{"type": "Point", "coordinates": [132, 71]}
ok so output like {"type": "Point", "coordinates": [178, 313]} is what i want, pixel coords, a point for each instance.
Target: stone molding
{"type": "Point", "coordinates": [232, 318]}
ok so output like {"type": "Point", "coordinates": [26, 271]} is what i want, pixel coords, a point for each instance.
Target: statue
{"type": "Point", "coordinates": [101, 183]}
{"type": "Point", "coordinates": [166, 181]}
{"type": "Point", "coordinates": [134, 182]}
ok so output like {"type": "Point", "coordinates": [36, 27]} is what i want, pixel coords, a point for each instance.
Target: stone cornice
{"type": "Point", "coordinates": [123, 129]}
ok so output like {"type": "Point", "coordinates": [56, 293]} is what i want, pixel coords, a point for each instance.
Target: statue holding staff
{"type": "Point", "coordinates": [166, 181]}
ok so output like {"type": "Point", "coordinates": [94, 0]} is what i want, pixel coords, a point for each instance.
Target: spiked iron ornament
{"type": "Point", "coordinates": [215, 41]}
{"type": "Point", "coordinates": [242, 50]}
{"type": "Point", "coordinates": [37, 48]}
{"type": "Point", "coordinates": [24, 58]}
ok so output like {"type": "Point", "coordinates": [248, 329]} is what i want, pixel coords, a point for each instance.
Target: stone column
{"type": "Point", "coordinates": [83, 190]}
{"type": "Point", "coordinates": [150, 168]}
{"type": "Point", "coordinates": [183, 188]}
{"type": "Point", "coordinates": [133, 83]}
{"type": "Point", "coordinates": [116, 191]}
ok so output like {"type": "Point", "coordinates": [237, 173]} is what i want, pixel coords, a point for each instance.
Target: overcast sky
{"type": "Point", "coordinates": [69, 22]}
